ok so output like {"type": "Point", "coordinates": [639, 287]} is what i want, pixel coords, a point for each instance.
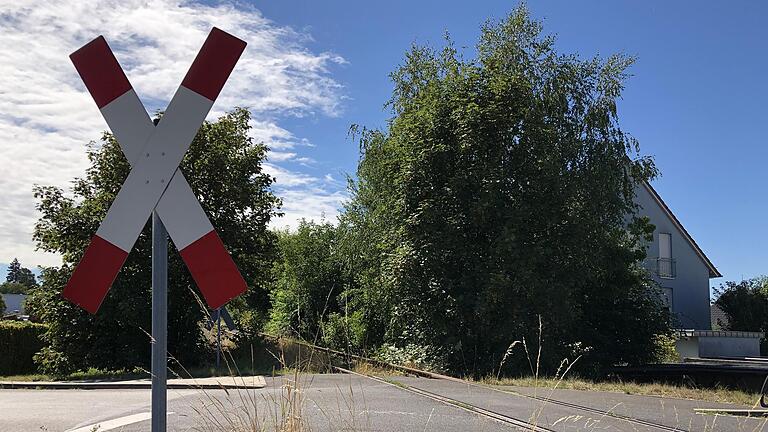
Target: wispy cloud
{"type": "Point", "coordinates": [320, 202]}
{"type": "Point", "coordinates": [47, 117]}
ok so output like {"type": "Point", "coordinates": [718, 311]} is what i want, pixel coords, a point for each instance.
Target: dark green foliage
{"type": "Point", "coordinates": [344, 331]}
{"type": "Point", "coordinates": [746, 305]}
{"type": "Point", "coordinates": [13, 288]}
{"type": "Point", "coordinates": [19, 341]}
{"type": "Point", "coordinates": [19, 275]}
{"type": "Point", "coordinates": [2, 305]}
{"type": "Point", "coordinates": [503, 191]}
{"type": "Point", "coordinates": [223, 166]}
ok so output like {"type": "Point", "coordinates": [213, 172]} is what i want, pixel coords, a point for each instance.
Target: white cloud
{"type": "Point", "coordinates": [286, 178]}
{"type": "Point", "coordinates": [281, 156]}
{"type": "Point", "coordinates": [319, 203]}
{"type": "Point", "coordinates": [47, 117]}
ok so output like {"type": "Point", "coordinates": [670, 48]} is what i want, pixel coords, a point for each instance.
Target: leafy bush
{"type": "Point", "coordinates": [19, 342]}
{"type": "Point", "coordinates": [664, 349]}
{"type": "Point", "coordinates": [13, 288]}
{"type": "Point", "coordinates": [309, 279]}
{"type": "Point", "coordinates": [344, 333]}
{"type": "Point", "coordinates": [412, 355]}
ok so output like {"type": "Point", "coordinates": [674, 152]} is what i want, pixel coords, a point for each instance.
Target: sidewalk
{"type": "Point", "coordinates": [211, 383]}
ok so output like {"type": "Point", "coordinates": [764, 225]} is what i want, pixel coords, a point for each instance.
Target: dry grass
{"type": "Point", "coordinates": [249, 410]}
{"type": "Point", "coordinates": [562, 380]}
{"type": "Point", "coordinates": [721, 395]}
{"type": "Point", "coordinates": [255, 410]}
{"type": "Point", "coordinates": [281, 408]}
{"type": "Point", "coordinates": [365, 368]}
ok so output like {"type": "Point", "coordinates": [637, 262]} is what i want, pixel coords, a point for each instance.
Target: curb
{"type": "Point", "coordinates": [256, 383]}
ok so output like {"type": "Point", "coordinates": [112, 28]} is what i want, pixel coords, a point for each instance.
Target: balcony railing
{"type": "Point", "coordinates": [666, 268]}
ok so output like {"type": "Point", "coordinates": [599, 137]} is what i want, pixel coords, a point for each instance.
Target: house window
{"type": "Point", "coordinates": [665, 264]}
{"type": "Point", "coordinates": [668, 298]}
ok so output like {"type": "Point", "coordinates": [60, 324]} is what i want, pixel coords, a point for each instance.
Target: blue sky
{"type": "Point", "coordinates": [695, 101]}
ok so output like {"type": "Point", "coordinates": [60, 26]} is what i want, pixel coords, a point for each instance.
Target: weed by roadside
{"type": "Point", "coordinates": [563, 380]}
{"type": "Point", "coordinates": [365, 368]}
{"type": "Point", "coordinates": [283, 406]}
{"type": "Point", "coordinates": [90, 374]}
{"type": "Point", "coordinates": [721, 395]}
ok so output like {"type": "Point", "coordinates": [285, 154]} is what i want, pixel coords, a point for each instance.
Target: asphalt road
{"type": "Point", "coordinates": [343, 403]}
{"type": "Point", "coordinates": [669, 413]}
{"type": "Point", "coordinates": [330, 403]}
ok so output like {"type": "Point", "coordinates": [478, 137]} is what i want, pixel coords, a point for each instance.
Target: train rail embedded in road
{"type": "Point", "coordinates": [577, 408]}
{"type": "Point", "coordinates": [456, 403]}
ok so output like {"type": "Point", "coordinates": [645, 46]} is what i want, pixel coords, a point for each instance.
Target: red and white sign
{"type": "Point", "coordinates": [155, 183]}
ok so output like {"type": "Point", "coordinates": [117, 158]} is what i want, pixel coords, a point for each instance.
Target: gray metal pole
{"type": "Point", "coordinates": [218, 339]}
{"type": "Point", "coordinates": [159, 323]}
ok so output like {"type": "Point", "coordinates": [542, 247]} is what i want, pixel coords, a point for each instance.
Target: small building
{"type": "Point", "coordinates": [683, 271]}
{"type": "Point", "coordinates": [14, 303]}
{"type": "Point", "coordinates": [717, 344]}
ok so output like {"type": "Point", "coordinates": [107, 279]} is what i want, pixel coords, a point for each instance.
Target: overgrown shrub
{"type": "Point", "coordinates": [19, 342]}
{"type": "Point", "coordinates": [308, 281]}
{"type": "Point", "coordinates": [664, 349]}
{"type": "Point", "coordinates": [13, 288]}
{"type": "Point", "coordinates": [344, 332]}
{"type": "Point", "coordinates": [412, 355]}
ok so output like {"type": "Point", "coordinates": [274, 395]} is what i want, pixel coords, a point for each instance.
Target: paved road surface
{"type": "Point", "coordinates": [331, 403]}
{"type": "Point", "coordinates": [340, 402]}
{"type": "Point", "coordinates": [672, 412]}
{"type": "Point", "coordinates": [675, 414]}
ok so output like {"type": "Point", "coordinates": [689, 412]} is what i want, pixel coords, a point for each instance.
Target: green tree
{"type": "Point", "coordinates": [14, 269]}
{"type": "Point", "coordinates": [503, 190]}
{"type": "Point", "coordinates": [13, 288]}
{"type": "Point", "coordinates": [20, 275]}
{"type": "Point", "coordinates": [2, 306]}
{"type": "Point", "coordinates": [746, 305]}
{"type": "Point", "coordinates": [309, 279]}
{"type": "Point", "coordinates": [224, 168]}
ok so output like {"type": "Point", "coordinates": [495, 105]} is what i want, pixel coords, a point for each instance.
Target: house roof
{"type": "Point", "coordinates": [718, 317]}
{"type": "Point", "coordinates": [713, 273]}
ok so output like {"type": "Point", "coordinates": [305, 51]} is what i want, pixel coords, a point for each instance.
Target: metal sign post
{"type": "Point", "coordinates": [159, 323]}
{"type": "Point", "coordinates": [217, 316]}
{"type": "Point", "coordinates": [155, 186]}
{"type": "Point", "coordinates": [218, 339]}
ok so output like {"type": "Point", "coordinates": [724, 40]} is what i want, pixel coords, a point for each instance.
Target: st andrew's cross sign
{"type": "Point", "coordinates": [155, 183]}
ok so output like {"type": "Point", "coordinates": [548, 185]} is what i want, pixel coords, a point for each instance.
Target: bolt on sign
{"type": "Point", "coordinates": [155, 183]}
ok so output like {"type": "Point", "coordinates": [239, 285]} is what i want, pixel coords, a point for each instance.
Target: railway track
{"type": "Point", "coordinates": [526, 425]}
{"type": "Point", "coordinates": [503, 418]}
{"type": "Point", "coordinates": [578, 409]}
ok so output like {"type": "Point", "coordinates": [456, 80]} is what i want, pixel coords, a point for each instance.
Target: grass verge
{"type": "Point", "coordinates": [720, 395]}
{"type": "Point", "coordinates": [90, 374]}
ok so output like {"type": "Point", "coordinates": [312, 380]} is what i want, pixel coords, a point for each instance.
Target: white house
{"type": "Point", "coordinates": [683, 271]}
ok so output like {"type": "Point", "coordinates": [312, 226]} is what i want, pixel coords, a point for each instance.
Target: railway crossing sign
{"type": "Point", "coordinates": [215, 320]}
{"type": "Point", "coordinates": [156, 186]}
{"type": "Point", "coordinates": [155, 182]}
{"type": "Point", "coordinates": [221, 314]}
